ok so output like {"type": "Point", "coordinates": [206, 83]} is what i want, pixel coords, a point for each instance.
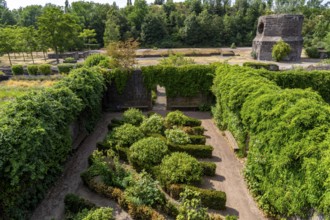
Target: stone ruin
{"type": "Point", "coordinates": [273, 28]}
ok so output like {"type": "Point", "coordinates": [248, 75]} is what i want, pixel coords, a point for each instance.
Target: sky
{"type": "Point", "coordinates": [14, 4]}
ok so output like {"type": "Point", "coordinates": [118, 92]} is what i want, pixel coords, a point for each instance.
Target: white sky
{"type": "Point", "coordinates": [14, 4]}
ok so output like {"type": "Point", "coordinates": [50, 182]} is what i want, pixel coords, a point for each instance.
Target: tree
{"type": "Point", "coordinates": [123, 53]}
{"type": "Point", "coordinates": [88, 36]}
{"type": "Point", "coordinates": [153, 29]}
{"type": "Point", "coordinates": [28, 16]}
{"type": "Point", "coordinates": [111, 33]}
{"type": "Point", "coordinates": [57, 28]}
{"type": "Point", "coordinates": [7, 41]}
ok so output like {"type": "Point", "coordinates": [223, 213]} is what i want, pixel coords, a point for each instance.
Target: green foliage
{"type": "Point", "coordinates": [197, 139]}
{"type": "Point", "coordinates": [209, 168]}
{"type": "Point", "coordinates": [74, 204]}
{"type": "Point", "coordinates": [2, 73]}
{"type": "Point", "coordinates": [119, 76]}
{"type": "Point", "coordinates": [32, 69]}
{"type": "Point", "coordinates": [177, 118]}
{"type": "Point", "coordinates": [177, 136]}
{"type": "Point", "coordinates": [233, 46]}
{"type": "Point", "coordinates": [147, 153]}
{"type": "Point", "coordinates": [198, 151]}
{"type": "Point", "coordinates": [44, 69]}
{"type": "Point", "coordinates": [153, 125]}
{"type": "Point", "coordinates": [259, 65]}
{"type": "Point", "coordinates": [288, 131]}
{"type": "Point", "coordinates": [95, 59]}
{"type": "Point", "coordinates": [69, 60]}
{"type": "Point", "coordinates": [103, 213]}
{"type": "Point", "coordinates": [17, 69]}
{"type": "Point", "coordinates": [280, 50]}
{"type": "Point", "coordinates": [65, 68]}
{"type": "Point", "coordinates": [176, 60]}
{"type": "Point", "coordinates": [191, 207]}
{"type": "Point", "coordinates": [133, 116]}
{"type": "Point", "coordinates": [312, 52]}
{"type": "Point", "coordinates": [231, 217]}
{"type": "Point", "coordinates": [179, 168]}
{"type": "Point", "coordinates": [145, 191]}
{"type": "Point", "coordinates": [125, 135]}
{"type": "Point", "coordinates": [186, 81]}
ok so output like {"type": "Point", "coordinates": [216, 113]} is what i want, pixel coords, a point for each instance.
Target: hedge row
{"type": "Point", "coordinates": [199, 151]}
{"type": "Point", "coordinates": [210, 198]}
{"type": "Point", "coordinates": [288, 135]}
{"type": "Point", "coordinates": [35, 138]}
{"type": "Point", "coordinates": [186, 81]}
{"type": "Point", "coordinates": [209, 168]}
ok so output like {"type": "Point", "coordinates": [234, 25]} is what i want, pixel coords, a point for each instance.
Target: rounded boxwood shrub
{"type": "Point", "coordinates": [32, 69]}
{"type": "Point", "coordinates": [147, 153]}
{"type": "Point", "coordinates": [153, 124]}
{"type": "Point", "coordinates": [125, 135]}
{"type": "Point", "coordinates": [312, 52]}
{"type": "Point", "coordinates": [179, 168]}
{"type": "Point", "coordinates": [44, 69]}
{"type": "Point", "coordinates": [175, 118]}
{"type": "Point", "coordinates": [95, 59]}
{"type": "Point", "coordinates": [17, 70]}
{"type": "Point", "coordinates": [280, 50]}
{"type": "Point", "coordinates": [177, 136]}
{"type": "Point", "coordinates": [133, 116]}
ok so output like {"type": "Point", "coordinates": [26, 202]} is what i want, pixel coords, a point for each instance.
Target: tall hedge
{"type": "Point", "coordinates": [35, 138]}
{"type": "Point", "coordinates": [186, 81]}
{"type": "Point", "coordinates": [288, 131]}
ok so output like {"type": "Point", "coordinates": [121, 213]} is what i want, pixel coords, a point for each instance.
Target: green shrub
{"type": "Point", "coordinates": [209, 168]}
{"type": "Point", "coordinates": [199, 151]}
{"type": "Point", "coordinates": [259, 65]}
{"type": "Point", "coordinates": [191, 206]}
{"type": "Point", "coordinates": [198, 130]}
{"type": "Point", "coordinates": [231, 217]}
{"type": "Point", "coordinates": [2, 73]}
{"type": "Point", "coordinates": [44, 69]}
{"type": "Point", "coordinates": [74, 204]}
{"type": "Point", "coordinates": [153, 125]}
{"type": "Point", "coordinates": [79, 65]}
{"type": "Point", "coordinates": [197, 139]}
{"type": "Point", "coordinates": [95, 60]}
{"type": "Point", "coordinates": [312, 52]}
{"type": "Point", "coordinates": [69, 60]}
{"type": "Point", "coordinates": [32, 69]}
{"type": "Point", "coordinates": [133, 116]}
{"type": "Point", "coordinates": [179, 168]}
{"type": "Point", "coordinates": [177, 118]}
{"type": "Point", "coordinates": [125, 135]}
{"type": "Point", "coordinates": [147, 153]}
{"type": "Point", "coordinates": [17, 70]}
{"type": "Point", "coordinates": [177, 136]}
{"type": "Point", "coordinates": [103, 213]}
{"type": "Point", "coordinates": [65, 68]}
{"type": "Point", "coordinates": [176, 60]}
{"type": "Point", "coordinates": [280, 50]}
{"type": "Point", "coordinates": [145, 192]}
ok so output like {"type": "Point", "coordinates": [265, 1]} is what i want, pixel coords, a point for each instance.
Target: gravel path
{"type": "Point", "coordinates": [52, 206]}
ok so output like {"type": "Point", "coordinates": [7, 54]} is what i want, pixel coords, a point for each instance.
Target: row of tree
{"type": "Point", "coordinates": [209, 23]}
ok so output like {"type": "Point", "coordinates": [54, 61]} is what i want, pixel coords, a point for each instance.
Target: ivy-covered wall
{"type": "Point", "coordinates": [289, 140]}
{"type": "Point", "coordinates": [35, 140]}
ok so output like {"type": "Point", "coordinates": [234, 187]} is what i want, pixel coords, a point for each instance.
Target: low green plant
{"type": "Point", "coordinates": [177, 118]}
{"type": "Point", "coordinates": [32, 69]}
{"type": "Point", "coordinates": [280, 50]}
{"type": "Point", "coordinates": [44, 69]}
{"type": "Point", "coordinates": [95, 60]}
{"type": "Point", "coordinates": [104, 213]}
{"type": "Point", "coordinates": [176, 60]}
{"type": "Point", "coordinates": [231, 217]}
{"type": "Point", "coordinates": [176, 136]}
{"type": "Point", "coordinates": [65, 68]}
{"type": "Point", "coordinates": [147, 153]}
{"type": "Point", "coordinates": [133, 116]}
{"type": "Point", "coordinates": [69, 60]}
{"type": "Point", "coordinates": [179, 168]}
{"type": "Point", "coordinates": [17, 70]}
{"type": "Point", "coordinates": [191, 206]}
{"type": "Point", "coordinates": [124, 135]}
{"type": "Point", "coordinates": [312, 52]}
{"type": "Point", "coordinates": [145, 191]}
{"type": "Point", "coordinates": [153, 124]}
{"type": "Point", "coordinates": [198, 151]}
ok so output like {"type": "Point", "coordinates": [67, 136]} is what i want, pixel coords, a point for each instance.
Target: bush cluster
{"type": "Point", "coordinates": [17, 70]}
{"type": "Point", "coordinates": [179, 168]}
{"type": "Point", "coordinates": [280, 50]}
{"type": "Point", "coordinates": [32, 69]}
{"type": "Point", "coordinates": [65, 68]}
{"type": "Point", "coordinates": [153, 125]}
{"type": "Point", "coordinates": [198, 151]}
{"type": "Point", "coordinates": [35, 139]}
{"type": "Point", "coordinates": [125, 135]}
{"type": "Point", "coordinates": [147, 153]}
{"type": "Point", "coordinates": [177, 118]}
{"type": "Point", "coordinates": [288, 132]}
{"type": "Point", "coordinates": [44, 69]}
{"type": "Point", "coordinates": [259, 65]}
{"type": "Point", "coordinates": [177, 136]}
{"type": "Point", "coordinates": [133, 116]}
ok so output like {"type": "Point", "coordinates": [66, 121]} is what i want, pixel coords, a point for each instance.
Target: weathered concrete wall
{"type": "Point", "coordinates": [78, 133]}
{"type": "Point", "coordinates": [75, 55]}
{"type": "Point", "coordinates": [188, 102]}
{"type": "Point", "coordinates": [274, 28]}
{"type": "Point", "coordinates": [135, 95]}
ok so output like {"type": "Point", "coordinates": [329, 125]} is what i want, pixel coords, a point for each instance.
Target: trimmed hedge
{"type": "Point", "coordinates": [259, 65]}
{"type": "Point", "coordinates": [44, 69]}
{"type": "Point", "coordinates": [35, 139]}
{"type": "Point", "coordinates": [199, 151]}
{"type": "Point", "coordinates": [209, 168]}
{"type": "Point", "coordinates": [198, 130]}
{"type": "Point", "coordinates": [17, 70]}
{"type": "Point", "coordinates": [288, 135]}
{"type": "Point", "coordinates": [65, 68]}
{"type": "Point", "coordinates": [197, 139]}
{"type": "Point", "coordinates": [210, 198]}
{"type": "Point", "coordinates": [32, 69]}
{"type": "Point", "coordinates": [185, 81]}
{"type": "Point", "coordinates": [177, 118]}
